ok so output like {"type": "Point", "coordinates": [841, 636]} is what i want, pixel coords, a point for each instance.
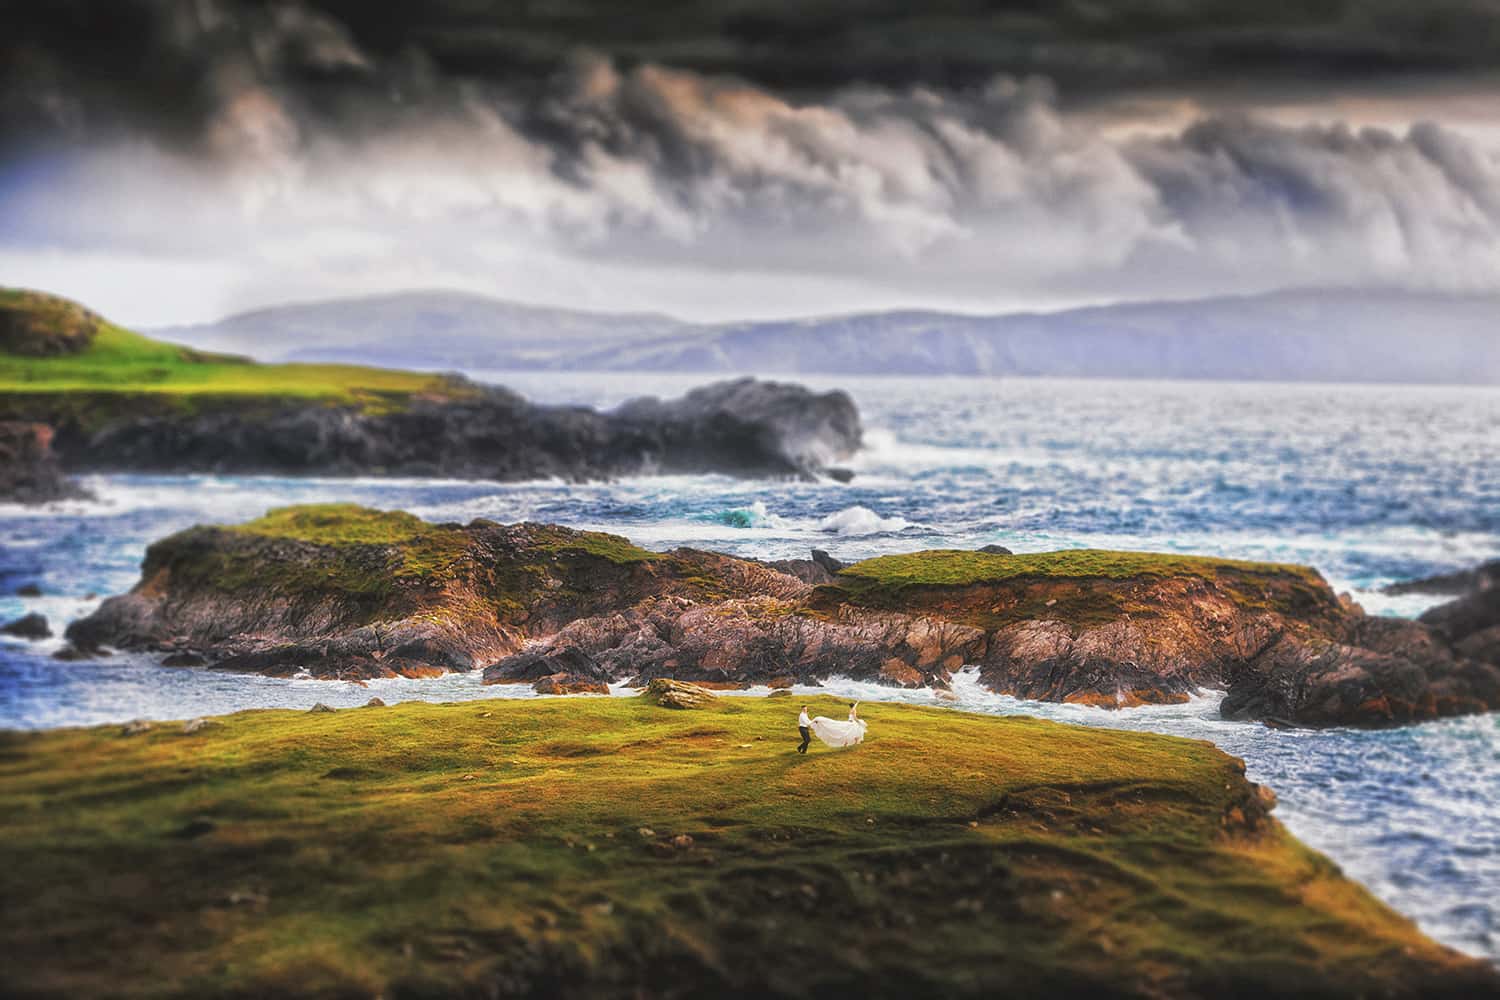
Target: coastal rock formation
{"type": "Point", "coordinates": [743, 428]}
{"type": "Point", "coordinates": [119, 401]}
{"type": "Point", "coordinates": [32, 626]}
{"type": "Point", "coordinates": [342, 591]}
{"type": "Point", "coordinates": [30, 472]}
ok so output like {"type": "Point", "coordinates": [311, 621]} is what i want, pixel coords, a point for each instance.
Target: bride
{"type": "Point", "coordinates": [841, 734]}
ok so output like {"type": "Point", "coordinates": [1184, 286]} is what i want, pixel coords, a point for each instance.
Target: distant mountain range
{"type": "Point", "coordinates": [1317, 335]}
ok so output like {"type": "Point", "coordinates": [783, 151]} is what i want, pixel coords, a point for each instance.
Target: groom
{"type": "Point", "coordinates": [804, 726]}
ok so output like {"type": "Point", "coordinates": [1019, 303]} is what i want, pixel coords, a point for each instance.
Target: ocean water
{"type": "Point", "coordinates": [1368, 484]}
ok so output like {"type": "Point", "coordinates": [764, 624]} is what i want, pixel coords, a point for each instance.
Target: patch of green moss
{"type": "Point", "coordinates": [956, 567]}
{"type": "Point", "coordinates": [613, 548]}
{"type": "Point", "coordinates": [448, 849]}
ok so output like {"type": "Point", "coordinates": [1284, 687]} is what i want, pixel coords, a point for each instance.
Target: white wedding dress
{"type": "Point", "coordinates": [840, 734]}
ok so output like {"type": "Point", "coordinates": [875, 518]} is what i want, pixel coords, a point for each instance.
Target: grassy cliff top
{"type": "Point", "coordinates": [113, 360]}
{"type": "Point", "coordinates": [537, 848]}
{"type": "Point", "coordinates": [351, 524]}
{"type": "Point", "coordinates": [957, 567]}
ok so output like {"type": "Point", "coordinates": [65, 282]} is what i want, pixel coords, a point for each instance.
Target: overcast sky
{"type": "Point", "coordinates": [176, 160]}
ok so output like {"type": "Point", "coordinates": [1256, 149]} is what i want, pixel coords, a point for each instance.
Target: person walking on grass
{"type": "Point", "coordinates": [804, 726]}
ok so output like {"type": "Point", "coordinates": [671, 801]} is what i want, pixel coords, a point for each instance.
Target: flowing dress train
{"type": "Point", "coordinates": [839, 734]}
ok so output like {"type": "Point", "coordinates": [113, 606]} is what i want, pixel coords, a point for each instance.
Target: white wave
{"type": "Point", "coordinates": [861, 521]}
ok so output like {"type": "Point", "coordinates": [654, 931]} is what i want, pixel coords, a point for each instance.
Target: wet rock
{"type": "Point", "coordinates": [73, 653]}
{"type": "Point", "coordinates": [183, 659]}
{"type": "Point", "coordinates": [676, 694]}
{"type": "Point", "coordinates": [29, 471]}
{"type": "Point", "coordinates": [829, 564]}
{"type": "Point", "coordinates": [28, 590]}
{"type": "Point", "coordinates": [30, 626]}
{"type": "Point", "coordinates": [1481, 577]}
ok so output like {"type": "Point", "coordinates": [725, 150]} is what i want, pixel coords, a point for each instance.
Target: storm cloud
{"type": "Point", "coordinates": [962, 154]}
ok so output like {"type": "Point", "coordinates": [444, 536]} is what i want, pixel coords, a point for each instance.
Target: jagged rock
{"type": "Point", "coordinates": [565, 683]}
{"type": "Point", "coordinates": [829, 564]}
{"type": "Point", "coordinates": [569, 611]}
{"type": "Point", "coordinates": [76, 653]}
{"type": "Point", "coordinates": [29, 471]}
{"type": "Point", "coordinates": [183, 659]}
{"type": "Point", "coordinates": [29, 626]}
{"type": "Point", "coordinates": [745, 428]}
{"type": "Point", "coordinates": [1481, 577]}
{"type": "Point", "coordinates": [320, 707]}
{"type": "Point", "coordinates": [675, 694]}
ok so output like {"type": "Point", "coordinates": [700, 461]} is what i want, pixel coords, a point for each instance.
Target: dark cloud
{"type": "Point", "coordinates": [76, 67]}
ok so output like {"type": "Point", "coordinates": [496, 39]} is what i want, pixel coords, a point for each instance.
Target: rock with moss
{"type": "Point", "coordinates": [123, 402]}
{"type": "Point", "coordinates": [342, 591]}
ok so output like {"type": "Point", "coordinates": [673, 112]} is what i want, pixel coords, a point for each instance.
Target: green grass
{"type": "Point", "coordinates": [439, 849]}
{"type": "Point", "coordinates": [956, 567]}
{"type": "Point", "coordinates": [121, 363]}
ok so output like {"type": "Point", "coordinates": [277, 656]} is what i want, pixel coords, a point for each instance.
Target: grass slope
{"type": "Point", "coordinates": [526, 848]}
{"type": "Point", "coordinates": [120, 363]}
{"type": "Point", "coordinates": [957, 567]}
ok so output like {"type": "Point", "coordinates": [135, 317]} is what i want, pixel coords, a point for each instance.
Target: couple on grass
{"type": "Point", "coordinates": [834, 733]}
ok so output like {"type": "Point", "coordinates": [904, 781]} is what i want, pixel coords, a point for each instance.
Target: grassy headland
{"type": "Point", "coordinates": [598, 847]}
{"type": "Point", "coordinates": [58, 350]}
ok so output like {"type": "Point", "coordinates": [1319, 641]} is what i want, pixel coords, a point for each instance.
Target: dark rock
{"type": "Point", "coordinates": [829, 564]}
{"type": "Point", "coordinates": [999, 550]}
{"type": "Point", "coordinates": [374, 703]}
{"type": "Point", "coordinates": [839, 475]}
{"type": "Point", "coordinates": [1458, 619]}
{"type": "Point", "coordinates": [28, 590]}
{"type": "Point", "coordinates": [1467, 581]}
{"type": "Point", "coordinates": [1398, 672]}
{"type": "Point", "coordinates": [183, 659]}
{"type": "Point", "coordinates": [31, 626]}
{"type": "Point", "coordinates": [29, 472]}
{"type": "Point", "coordinates": [73, 653]}
{"type": "Point", "coordinates": [739, 428]}
{"type": "Point", "coordinates": [546, 664]}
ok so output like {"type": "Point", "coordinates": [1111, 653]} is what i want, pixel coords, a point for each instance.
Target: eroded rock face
{"type": "Point", "coordinates": [29, 471]}
{"type": "Point", "coordinates": [742, 428]}
{"type": "Point", "coordinates": [346, 592]}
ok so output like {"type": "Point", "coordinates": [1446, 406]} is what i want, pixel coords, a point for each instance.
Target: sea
{"type": "Point", "coordinates": [1369, 484]}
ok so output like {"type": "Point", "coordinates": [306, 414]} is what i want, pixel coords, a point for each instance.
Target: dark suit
{"type": "Point", "coordinates": [806, 738]}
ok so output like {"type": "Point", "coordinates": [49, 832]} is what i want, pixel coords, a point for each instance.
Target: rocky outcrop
{"type": "Point", "coordinates": [29, 471]}
{"type": "Point", "coordinates": [31, 626]}
{"type": "Point", "coordinates": [1468, 581]}
{"type": "Point", "coordinates": [343, 591]}
{"type": "Point", "coordinates": [743, 428]}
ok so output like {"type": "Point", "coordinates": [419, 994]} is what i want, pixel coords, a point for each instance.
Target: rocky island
{"type": "Point", "coordinates": [118, 401]}
{"type": "Point", "coordinates": [342, 591]}
{"type": "Point", "coordinates": [612, 847]}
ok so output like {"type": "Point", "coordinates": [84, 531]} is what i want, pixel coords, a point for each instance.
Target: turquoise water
{"type": "Point", "coordinates": [1368, 484]}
